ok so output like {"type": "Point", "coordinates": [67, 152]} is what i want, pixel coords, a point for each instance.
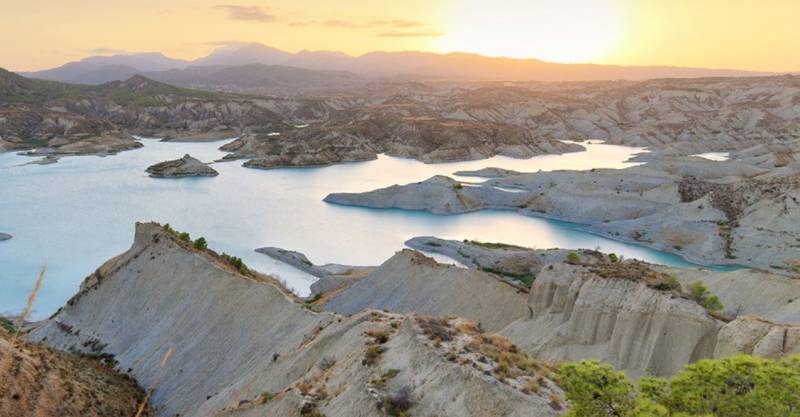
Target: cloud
{"type": "Point", "coordinates": [249, 13]}
{"type": "Point", "coordinates": [108, 51]}
{"type": "Point", "coordinates": [353, 24]}
{"type": "Point", "coordinates": [410, 34]}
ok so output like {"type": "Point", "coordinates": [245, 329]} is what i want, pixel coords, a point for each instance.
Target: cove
{"type": "Point", "coordinates": [78, 213]}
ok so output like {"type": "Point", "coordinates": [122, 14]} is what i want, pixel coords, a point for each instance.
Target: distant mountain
{"type": "Point", "coordinates": [101, 69]}
{"type": "Point", "coordinates": [251, 53]}
{"type": "Point", "coordinates": [410, 65]}
{"type": "Point", "coordinates": [260, 79]}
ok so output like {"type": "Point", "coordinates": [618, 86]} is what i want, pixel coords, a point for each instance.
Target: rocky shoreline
{"type": "Point", "coordinates": [709, 212]}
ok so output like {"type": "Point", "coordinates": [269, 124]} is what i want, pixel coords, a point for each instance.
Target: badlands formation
{"type": "Point", "coordinates": [412, 333]}
{"type": "Point", "coordinates": [183, 167]}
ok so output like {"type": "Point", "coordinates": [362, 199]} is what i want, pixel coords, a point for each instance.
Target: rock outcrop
{"type": "Point", "coordinates": [5, 236]}
{"type": "Point", "coordinates": [240, 345]}
{"type": "Point", "coordinates": [38, 381]}
{"type": "Point", "coordinates": [183, 167]}
{"type": "Point", "coordinates": [755, 336]}
{"type": "Point", "coordinates": [411, 282]}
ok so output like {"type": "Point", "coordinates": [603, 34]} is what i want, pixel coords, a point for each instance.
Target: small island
{"type": "Point", "coordinates": [184, 167]}
{"type": "Point", "coordinates": [4, 236]}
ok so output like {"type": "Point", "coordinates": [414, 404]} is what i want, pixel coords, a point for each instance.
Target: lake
{"type": "Point", "coordinates": [76, 214]}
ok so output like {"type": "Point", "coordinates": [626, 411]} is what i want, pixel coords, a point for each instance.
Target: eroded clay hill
{"type": "Point", "coordinates": [241, 345]}
{"type": "Point", "coordinates": [37, 380]}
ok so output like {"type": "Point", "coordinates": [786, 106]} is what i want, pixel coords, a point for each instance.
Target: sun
{"type": "Point", "coordinates": [551, 30]}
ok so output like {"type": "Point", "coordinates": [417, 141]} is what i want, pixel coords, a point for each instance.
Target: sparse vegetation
{"type": "Point", "coordinates": [573, 258]}
{"type": "Point", "coordinates": [729, 387]}
{"type": "Point", "coordinates": [699, 293]}
{"type": "Point", "coordinates": [236, 262]}
{"type": "Point", "coordinates": [494, 245]}
{"type": "Point", "coordinates": [613, 258]}
{"type": "Point", "coordinates": [457, 186]}
{"type": "Point", "coordinates": [398, 403]}
{"type": "Point", "coordinates": [185, 237]}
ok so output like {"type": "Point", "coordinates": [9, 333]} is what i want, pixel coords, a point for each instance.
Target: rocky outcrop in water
{"type": "Point", "coordinates": [241, 345]}
{"type": "Point", "coordinates": [183, 167]}
{"type": "Point", "coordinates": [5, 236]}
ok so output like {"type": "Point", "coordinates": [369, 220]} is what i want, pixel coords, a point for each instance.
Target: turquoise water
{"type": "Point", "coordinates": [77, 213]}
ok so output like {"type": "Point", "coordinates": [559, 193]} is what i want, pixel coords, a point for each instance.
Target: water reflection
{"type": "Point", "coordinates": [77, 213]}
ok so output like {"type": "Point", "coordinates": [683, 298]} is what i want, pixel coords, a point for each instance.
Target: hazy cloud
{"type": "Point", "coordinates": [250, 13]}
{"type": "Point", "coordinates": [353, 24]}
{"type": "Point", "coordinates": [108, 51]}
{"type": "Point", "coordinates": [410, 34]}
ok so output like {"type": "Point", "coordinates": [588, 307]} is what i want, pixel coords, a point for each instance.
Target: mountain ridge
{"type": "Point", "coordinates": [377, 64]}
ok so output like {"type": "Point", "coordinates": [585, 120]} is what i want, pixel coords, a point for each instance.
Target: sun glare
{"type": "Point", "coordinates": [551, 30]}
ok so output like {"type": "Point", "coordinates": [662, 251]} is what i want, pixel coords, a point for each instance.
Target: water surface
{"type": "Point", "coordinates": [77, 213]}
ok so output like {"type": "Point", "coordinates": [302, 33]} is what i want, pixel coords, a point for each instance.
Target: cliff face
{"type": "Point", "coordinates": [576, 314]}
{"type": "Point", "coordinates": [241, 346]}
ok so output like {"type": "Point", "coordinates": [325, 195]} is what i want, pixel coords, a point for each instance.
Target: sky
{"type": "Point", "coordinates": [740, 34]}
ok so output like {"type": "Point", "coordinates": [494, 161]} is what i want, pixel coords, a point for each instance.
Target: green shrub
{"type": "Point", "coordinates": [730, 387]}
{"type": "Point", "coordinates": [185, 237]}
{"type": "Point", "coordinates": [669, 284]}
{"type": "Point", "coordinates": [457, 186]}
{"type": "Point", "coordinates": [699, 293]}
{"type": "Point", "coordinates": [236, 262]}
{"type": "Point", "coordinates": [201, 243]}
{"type": "Point", "coordinates": [573, 258]}
{"type": "Point", "coordinates": [595, 389]}
{"type": "Point", "coordinates": [613, 258]}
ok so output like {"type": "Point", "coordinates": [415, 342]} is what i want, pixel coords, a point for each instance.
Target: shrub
{"type": "Point", "coordinates": [699, 293]}
{"type": "Point", "coordinates": [266, 396]}
{"type": "Point", "coordinates": [201, 244]}
{"type": "Point", "coordinates": [573, 258]}
{"type": "Point", "coordinates": [613, 258]}
{"type": "Point", "coordinates": [595, 389]}
{"type": "Point", "coordinates": [668, 284]}
{"type": "Point", "coordinates": [398, 403]}
{"type": "Point", "coordinates": [236, 262]}
{"type": "Point", "coordinates": [730, 387]}
{"type": "Point", "coordinates": [457, 186]}
{"type": "Point", "coordinates": [185, 237]}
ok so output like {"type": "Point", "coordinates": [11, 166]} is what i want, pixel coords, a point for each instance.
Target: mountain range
{"type": "Point", "coordinates": [455, 66]}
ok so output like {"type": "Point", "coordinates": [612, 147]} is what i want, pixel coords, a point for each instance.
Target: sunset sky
{"type": "Point", "coordinates": [741, 34]}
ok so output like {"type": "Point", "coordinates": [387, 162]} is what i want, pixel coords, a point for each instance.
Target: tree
{"type": "Point", "coordinates": [596, 390]}
{"type": "Point", "coordinates": [699, 293]}
{"type": "Point", "coordinates": [736, 386]}
{"type": "Point", "coordinates": [201, 243]}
